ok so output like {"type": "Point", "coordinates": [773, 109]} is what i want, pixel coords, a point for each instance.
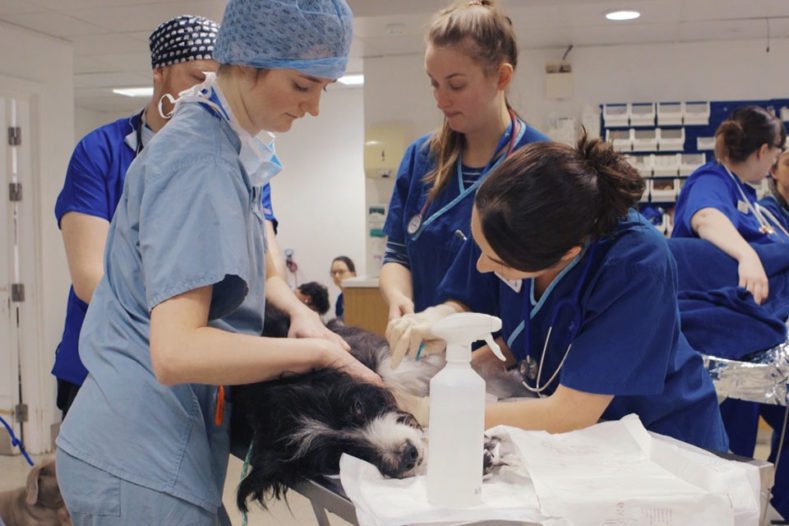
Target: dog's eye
{"type": "Point", "coordinates": [358, 410]}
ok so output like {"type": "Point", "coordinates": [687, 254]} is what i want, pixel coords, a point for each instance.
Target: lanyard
{"type": "Point", "coordinates": [528, 367]}
{"type": "Point", "coordinates": [764, 225]}
{"type": "Point", "coordinates": [416, 225]}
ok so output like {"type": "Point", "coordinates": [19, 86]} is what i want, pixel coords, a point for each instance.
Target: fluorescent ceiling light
{"type": "Point", "coordinates": [135, 92]}
{"type": "Point", "coordinates": [352, 80]}
{"type": "Point", "coordinates": [622, 14]}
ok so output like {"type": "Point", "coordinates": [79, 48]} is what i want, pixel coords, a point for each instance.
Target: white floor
{"type": "Point", "coordinates": [297, 511]}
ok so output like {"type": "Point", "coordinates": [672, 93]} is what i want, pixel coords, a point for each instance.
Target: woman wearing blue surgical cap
{"type": "Point", "coordinates": [589, 306]}
{"type": "Point", "coordinates": [470, 61]}
{"type": "Point", "coordinates": [179, 310]}
{"type": "Point", "coordinates": [718, 204]}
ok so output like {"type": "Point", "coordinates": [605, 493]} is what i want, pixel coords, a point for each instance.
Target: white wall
{"type": "Point", "coordinates": [319, 196]}
{"type": "Point", "coordinates": [397, 87]}
{"type": "Point", "coordinates": [87, 120]}
{"type": "Point", "coordinates": [46, 64]}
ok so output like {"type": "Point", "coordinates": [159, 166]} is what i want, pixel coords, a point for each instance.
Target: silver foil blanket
{"type": "Point", "coordinates": [762, 378]}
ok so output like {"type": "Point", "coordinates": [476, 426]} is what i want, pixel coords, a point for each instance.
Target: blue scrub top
{"type": "Point", "coordinates": [339, 307]}
{"type": "Point", "coordinates": [628, 342]}
{"type": "Point", "coordinates": [710, 186]}
{"type": "Point", "coordinates": [188, 218]}
{"type": "Point", "coordinates": [93, 186]}
{"type": "Point", "coordinates": [781, 213]}
{"type": "Point", "coordinates": [432, 250]}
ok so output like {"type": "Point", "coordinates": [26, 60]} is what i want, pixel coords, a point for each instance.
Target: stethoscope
{"type": "Point", "coordinates": [137, 127]}
{"type": "Point", "coordinates": [417, 224]}
{"type": "Point", "coordinates": [528, 368]}
{"type": "Point", "coordinates": [758, 211]}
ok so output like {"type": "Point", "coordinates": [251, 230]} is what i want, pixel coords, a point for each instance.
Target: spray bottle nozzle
{"type": "Point", "coordinates": [465, 328]}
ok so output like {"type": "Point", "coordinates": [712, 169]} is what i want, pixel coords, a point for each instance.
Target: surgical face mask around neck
{"type": "Point", "coordinates": [257, 154]}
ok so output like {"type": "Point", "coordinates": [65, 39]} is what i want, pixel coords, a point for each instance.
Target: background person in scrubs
{"type": "Point", "coordinates": [718, 204]}
{"type": "Point", "coordinates": [589, 304]}
{"type": "Point", "coordinates": [94, 180]}
{"type": "Point", "coordinates": [777, 202]}
{"type": "Point", "coordinates": [470, 59]}
{"type": "Point", "coordinates": [342, 268]}
{"type": "Point", "coordinates": [180, 308]}
{"type": "Point", "coordinates": [713, 205]}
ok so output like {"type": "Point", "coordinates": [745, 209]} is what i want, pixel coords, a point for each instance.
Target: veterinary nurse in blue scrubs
{"type": "Point", "coordinates": [718, 204]}
{"type": "Point", "coordinates": [590, 299]}
{"type": "Point", "coordinates": [470, 59]}
{"type": "Point", "coordinates": [774, 206]}
{"type": "Point", "coordinates": [179, 311]}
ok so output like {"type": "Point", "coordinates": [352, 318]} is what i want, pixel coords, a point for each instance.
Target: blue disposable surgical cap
{"type": "Point", "coordinates": [310, 36]}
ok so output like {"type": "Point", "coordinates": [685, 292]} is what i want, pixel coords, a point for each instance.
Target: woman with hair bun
{"type": "Point", "coordinates": [588, 297]}
{"type": "Point", "coordinates": [717, 202]}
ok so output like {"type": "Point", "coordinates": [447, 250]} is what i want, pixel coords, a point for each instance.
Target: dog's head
{"type": "Point", "coordinates": [303, 424]}
{"type": "Point", "coordinates": [40, 501]}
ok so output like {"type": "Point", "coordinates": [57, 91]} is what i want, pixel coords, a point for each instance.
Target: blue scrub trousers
{"type": "Point", "coordinates": [97, 498]}
{"type": "Point", "coordinates": [742, 420]}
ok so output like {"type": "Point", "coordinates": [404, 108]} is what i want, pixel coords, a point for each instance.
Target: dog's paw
{"type": "Point", "coordinates": [498, 452]}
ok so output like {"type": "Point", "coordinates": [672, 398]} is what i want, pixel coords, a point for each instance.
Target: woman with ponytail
{"type": "Point", "coordinates": [470, 60]}
{"type": "Point", "coordinates": [717, 202]}
{"type": "Point", "coordinates": [589, 305]}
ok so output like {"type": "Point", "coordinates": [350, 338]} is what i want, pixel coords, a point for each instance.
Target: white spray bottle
{"type": "Point", "coordinates": [457, 413]}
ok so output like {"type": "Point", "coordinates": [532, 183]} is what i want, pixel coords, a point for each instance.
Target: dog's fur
{"type": "Point", "coordinates": [299, 426]}
{"type": "Point", "coordinates": [302, 424]}
{"type": "Point", "coordinates": [39, 503]}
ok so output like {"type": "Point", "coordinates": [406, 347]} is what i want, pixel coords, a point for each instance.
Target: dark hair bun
{"type": "Point", "coordinates": [620, 187]}
{"type": "Point", "coordinates": [745, 131]}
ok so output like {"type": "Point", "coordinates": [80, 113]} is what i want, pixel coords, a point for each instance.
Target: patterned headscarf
{"type": "Point", "coordinates": [182, 39]}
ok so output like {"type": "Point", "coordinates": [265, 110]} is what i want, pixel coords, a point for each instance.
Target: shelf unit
{"type": "Point", "coordinates": [667, 141]}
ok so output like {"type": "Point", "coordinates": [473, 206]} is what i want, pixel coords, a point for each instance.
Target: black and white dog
{"type": "Point", "coordinates": [299, 426]}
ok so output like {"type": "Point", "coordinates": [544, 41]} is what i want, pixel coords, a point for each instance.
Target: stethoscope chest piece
{"type": "Point", "coordinates": [528, 368]}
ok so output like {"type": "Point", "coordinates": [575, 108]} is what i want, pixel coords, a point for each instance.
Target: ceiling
{"type": "Point", "coordinates": [111, 50]}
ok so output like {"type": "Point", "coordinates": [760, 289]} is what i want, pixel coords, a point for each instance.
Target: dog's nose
{"type": "Point", "coordinates": [410, 456]}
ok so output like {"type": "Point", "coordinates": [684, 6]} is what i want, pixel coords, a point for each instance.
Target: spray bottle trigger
{"type": "Point", "coordinates": [495, 347]}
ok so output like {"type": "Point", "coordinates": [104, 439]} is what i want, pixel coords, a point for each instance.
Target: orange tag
{"type": "Point", "coordinates": [219, 415]}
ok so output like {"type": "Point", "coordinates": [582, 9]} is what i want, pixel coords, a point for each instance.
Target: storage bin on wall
{"type": "Point", "coordinates": [705, 143]}
{"type": "Point", "coordinates": [644, 140]}
{"type": "Point", "coordinates": [670, 113]}
{"type": "Point", "coordinates": [696, 113]}
{"type": "Point", "coordinates": [689, 162]}
{"type": "Point", "coordinates": [642, 114]}
{"type": "Point", "coordinates": [671, 139]}
{"type": "Point", "coordinates": [642, 163]}
{"type": "Point", "coordinates": [665, 165]}
{"type": "Point", "coordinates": [664, 190]}
{"type": "Point", "coordinates": [621, 139]}
{"type": "Point", "coordinates": [616, 115]}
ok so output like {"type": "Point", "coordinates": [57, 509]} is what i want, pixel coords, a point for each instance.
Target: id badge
{"type": "Point", "coordinates": [414, 224]}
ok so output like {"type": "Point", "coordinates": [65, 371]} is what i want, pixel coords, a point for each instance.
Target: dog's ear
{"type": "Point", "coordinates": [31, 491]}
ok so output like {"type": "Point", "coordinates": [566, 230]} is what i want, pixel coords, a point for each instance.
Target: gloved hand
{"type": "Point", "coordinates": [419, 406]}
{"type": "Point", "coordinates": [407, 333]}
